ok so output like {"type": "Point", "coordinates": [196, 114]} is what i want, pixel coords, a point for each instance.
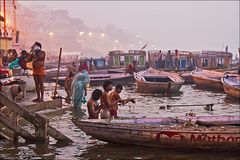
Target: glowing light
{"type": "Point", "coordinates": [8, 22]}
{"type": "Point", "coordinates": [50, 34]}
{"type": "Point", "coordinates": [116, 41]}
{"type": "Point", "coordinates": [81, 33]}
{"type": "Point", "coordinates": [102, 35]}
{"type": "Point", "coordinates": [140, 42]}
{"type": "Point", "coordinates": [90, 33]}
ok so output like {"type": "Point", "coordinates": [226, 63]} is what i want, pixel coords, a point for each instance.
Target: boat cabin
{"type": "Point", "coordinates": [121, 59]}
{"type": "Point", "coordinates": [212, 59]}
{"type": "Point", "coordinates": [99, 63]}
{"type": "Point", "coordinates": [186, 60]}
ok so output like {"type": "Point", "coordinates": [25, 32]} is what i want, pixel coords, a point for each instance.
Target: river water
{"type": "Point", "coordinates": [86, 147]}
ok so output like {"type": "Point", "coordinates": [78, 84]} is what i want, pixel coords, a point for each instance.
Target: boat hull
{"type": "Point", "coordinates": [187, 77]}
{"type": "Point", "coordinates": [120, 80]}
{"type": "Point", "coordinates": [148, 87]}
{"type": "Point", "coordinates": [231, 90]}
{"type": "Point", "coordinates": [163, 136]}
{"type": "Point", "coordinates": [203, 81]}
{"type": "Point", "coordinates": [123, 80]}
{"type": "Point", "coordinates": [168, 82]}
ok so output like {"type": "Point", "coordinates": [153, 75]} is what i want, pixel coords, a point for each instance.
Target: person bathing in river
{"type": "Point", "coordinates": [92, 106]}
{"type": "Point", "coordinates": [67, 85]}
{"type": "Point", "coordinates": [79, 88]}
{"type": "Point", "coordinates": [114, 96]}
{"type": "Point", "coordinates": [105, 102]}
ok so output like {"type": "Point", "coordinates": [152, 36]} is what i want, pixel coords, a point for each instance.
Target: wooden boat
{"type": "Point", "coordinates": [231, 85]}
{"type": "Point", "coordinates": [207, 79]}
{"type": "Point", "coordinates": [154, 81]}
{"type": "Point", "coordinates": [51, 73]}
{"type": "Point", "coordinates": [187, 77]}
{"type": "Point", "coordinates": [98, 79]}
{"type": "Point", "coordinates": [161, 132]}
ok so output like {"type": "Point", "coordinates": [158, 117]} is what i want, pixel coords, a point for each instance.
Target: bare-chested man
{"type": "Point", "coordinates": [38, 57]}
{"type": "Point", "coordinates": [114, 96]}
{"type": "Point", "coordinates": [92, 106]}
{"type": "Point", "coordinates": [105, 102]}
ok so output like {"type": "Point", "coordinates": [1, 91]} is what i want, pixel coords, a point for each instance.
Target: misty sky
{"type": "Point", "coordinates": [180, 25]}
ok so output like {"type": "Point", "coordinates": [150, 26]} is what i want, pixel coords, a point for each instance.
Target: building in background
{"type": "Point", "coordinates": [119, 59]}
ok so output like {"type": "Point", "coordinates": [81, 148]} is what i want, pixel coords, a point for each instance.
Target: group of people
{"type": "Point", "coordinates": [109, 101]}
{"type": "Point", "coordinates": [75, 87]}
{"type": "Point", "coordinates": [11, 60]}
{"type": "Point", "coordinates": [82, 66]}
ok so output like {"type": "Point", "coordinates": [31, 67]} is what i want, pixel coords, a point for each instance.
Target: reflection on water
{"type": "Point", "coordinates": [118, 151]}
{"type": "Point", "coordinates": [86, 147]}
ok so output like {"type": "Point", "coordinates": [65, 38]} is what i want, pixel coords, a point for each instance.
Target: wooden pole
{"type": "Point", "coordinates": [18, 130]}
{"type": "Point", "coordinates": [5, 18]}
{"type": "Point", "coordinates": [59, 62]}
{"type": "Point", "coordinates": [207, 106]}
{"type": "Point", "coordinates": [15, 121]}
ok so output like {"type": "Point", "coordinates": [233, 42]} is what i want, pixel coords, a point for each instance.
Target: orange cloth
{"type": "Point", "coordinates": [29, 65]}
{"type": "Point", "coordinates": [39, 71]}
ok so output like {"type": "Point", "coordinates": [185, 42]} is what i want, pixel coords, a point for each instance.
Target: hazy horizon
{"type": "Point", "coordinates": [180, 25]}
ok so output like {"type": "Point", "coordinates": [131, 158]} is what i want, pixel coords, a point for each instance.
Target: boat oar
{"type": "Point", "coordinates": [208, 107]}
{"type": "Point", "coordinates": [59, 62]}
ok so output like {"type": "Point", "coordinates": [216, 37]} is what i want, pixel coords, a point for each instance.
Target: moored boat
{"type": "Point", "coordinates": [154, 81]}
{"type": "Point", "coordinates": [231, 85]}
{"type": "Point", "coordinates": [98, 79]}
{"type": "Point", "coordinates": [207, 79]}
{"type": "Point", "coordinates": [187, 77]}
{"type": "Point", "coordinates": [161, 132]}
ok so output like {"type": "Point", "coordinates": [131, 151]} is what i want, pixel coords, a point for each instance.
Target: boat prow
{"type": "Point", "coordinates": [231, 85]}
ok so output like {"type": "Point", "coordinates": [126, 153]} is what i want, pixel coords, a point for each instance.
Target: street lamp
{"type": "Point", "coordinates": [90, 34]}
{"type": "Point", "coordinates": [81, 33]}
{"type": "Point", "coordinates": [50, 33]}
